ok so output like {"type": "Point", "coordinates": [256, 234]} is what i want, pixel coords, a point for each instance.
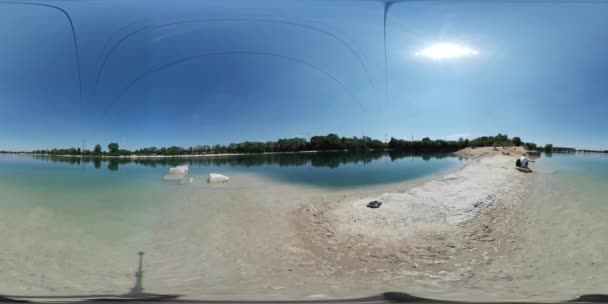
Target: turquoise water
{"type": "Point", "coordinates": [580, 177]}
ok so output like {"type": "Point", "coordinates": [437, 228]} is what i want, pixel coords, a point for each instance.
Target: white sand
{"type": "Point", "coordinates": [435, 205]}
{"type": "Point", "coordinates": [425, 235]}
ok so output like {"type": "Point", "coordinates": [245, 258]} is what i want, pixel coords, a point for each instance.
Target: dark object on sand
{"type": "Point", "coordinates": [520, 168]}
{"type": "Point", "coordinates": [374, 204]}
{"type": "Point", "coordinates": [524, 169]}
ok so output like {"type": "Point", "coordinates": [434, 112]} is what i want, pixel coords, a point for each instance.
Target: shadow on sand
{"type": "Point", "coordinates": [136, 293]}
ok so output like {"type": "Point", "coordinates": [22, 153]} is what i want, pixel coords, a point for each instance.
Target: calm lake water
{"type": "Point", "coordinates": [331, 169]}
{"type": "Point", "coordinates": [579, 177]}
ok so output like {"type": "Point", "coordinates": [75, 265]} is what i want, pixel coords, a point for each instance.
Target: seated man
{"type": "Point", "coordinates": [523, 161]}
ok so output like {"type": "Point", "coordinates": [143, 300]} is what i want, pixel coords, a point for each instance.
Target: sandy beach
{"type": "Point", "coordinates": [438, 230]}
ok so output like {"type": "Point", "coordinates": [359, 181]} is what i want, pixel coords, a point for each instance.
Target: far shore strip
{"type": "Point", "coordinates": [185, 156]}
{"type": "Point", "coordinates": [461, 153]}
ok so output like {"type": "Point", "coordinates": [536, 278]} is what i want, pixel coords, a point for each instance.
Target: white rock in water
{"type": "Point", "coordinates": [218, 178]}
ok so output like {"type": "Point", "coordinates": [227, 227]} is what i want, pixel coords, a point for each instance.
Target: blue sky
{"type": "Point", "coordinates": [206, 72]}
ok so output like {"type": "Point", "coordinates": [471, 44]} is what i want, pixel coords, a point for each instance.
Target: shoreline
{"type": "Point", "coordinates": [438, 230]}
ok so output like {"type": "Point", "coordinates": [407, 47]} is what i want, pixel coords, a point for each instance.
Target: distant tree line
{"type": "Point", "coordinates": [550, 149]}
{"type": "Point", "coordinates": [11, 152]}
{"type": "Point", "coordinates": [439, 145]}
{"type": "Point", "coordinates": [330, 142]}
{"type": "Point", "coordinates": [561, 149]}
{"type": "Point", "coordinates": [593, 151]}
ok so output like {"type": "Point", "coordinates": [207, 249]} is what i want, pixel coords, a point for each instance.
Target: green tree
{"type": "Point", "coordinates": [531, 146]}
{"type": "Point", "coordinates": [329, 142]}
{"type": "Point", "coordinates": [516, 141]}
{"type": "Point", "coordinates": [113, 147]}
{"type": "Point", "coordinates": [501, 139]}
{"type": "Point", "coordinates": [548, 148]}
{"type": "Point", "coordinates": [97, 149]}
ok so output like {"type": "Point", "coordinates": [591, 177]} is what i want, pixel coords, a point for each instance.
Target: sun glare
{"type": "Point", "coordinates": [442, 51]}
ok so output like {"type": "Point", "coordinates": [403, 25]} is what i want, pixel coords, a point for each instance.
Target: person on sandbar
{"type": "Point", "coordinates": [522, 162]}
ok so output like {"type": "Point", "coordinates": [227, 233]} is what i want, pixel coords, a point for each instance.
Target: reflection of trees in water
{"type": "Point", "coordinates": [113, 164]}
{"type": "Point", "coordinates": [321, 159]}
{"type": "Point", "coordinates": [334, 160]}
{"type": "Point", "coordinates": [396, 155]}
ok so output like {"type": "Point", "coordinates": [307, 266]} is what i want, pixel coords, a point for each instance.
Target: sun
{"type": "Point", "coordinates": [441, 51]}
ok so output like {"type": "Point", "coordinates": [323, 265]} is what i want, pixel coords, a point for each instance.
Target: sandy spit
{"type": "Point", "coordinates": [422, 236]}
